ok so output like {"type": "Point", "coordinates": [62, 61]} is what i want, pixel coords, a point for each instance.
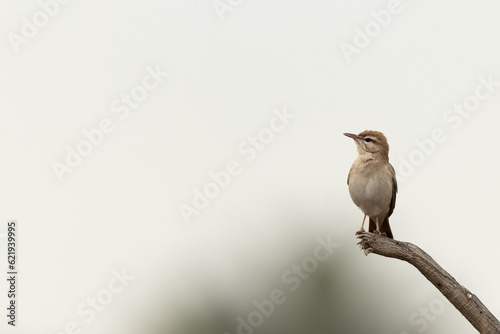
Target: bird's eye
{"type": "Point", "coordinates": [368, 140]}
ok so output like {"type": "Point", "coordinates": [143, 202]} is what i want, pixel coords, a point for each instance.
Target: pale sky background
{"type": "Point", "coordinates": [119, 209]}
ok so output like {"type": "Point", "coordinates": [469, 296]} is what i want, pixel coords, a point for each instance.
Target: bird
{"type": "Point", "coordinates": [372, 181]}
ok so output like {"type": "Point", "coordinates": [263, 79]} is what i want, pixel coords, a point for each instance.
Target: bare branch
{"type": "Point", "coordinates": [466, 302]}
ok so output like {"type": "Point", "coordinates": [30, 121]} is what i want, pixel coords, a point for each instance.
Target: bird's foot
{"type": "Point", "coordinates": [364, 242]}
{"type": "Point", "coordinates": [378, 233]}
{"type": "Point", "coordinates": [361, 230]}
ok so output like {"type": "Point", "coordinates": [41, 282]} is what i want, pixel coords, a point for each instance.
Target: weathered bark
{"type": "Point", "coordinates": [466, 302]}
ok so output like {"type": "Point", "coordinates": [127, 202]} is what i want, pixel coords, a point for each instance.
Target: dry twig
{"type": "Point", "coordinates": [467, 303]}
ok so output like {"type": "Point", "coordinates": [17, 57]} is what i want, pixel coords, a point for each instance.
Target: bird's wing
{"type": "Point", "coordinates": [394, 189]}
{"type": "Point", "coordinates": [349, 175]}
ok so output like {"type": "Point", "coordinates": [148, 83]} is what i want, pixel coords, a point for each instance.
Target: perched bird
{"type": "Point", "coordinates": [372, 181]}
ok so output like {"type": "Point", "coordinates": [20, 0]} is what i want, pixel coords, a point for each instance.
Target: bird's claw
{"type": "Point", "coordinates": [363, 244]}
{"type": "Point", "coordinates": [361, 230]}
{"type": "Point", "coordinates": [378, 233]}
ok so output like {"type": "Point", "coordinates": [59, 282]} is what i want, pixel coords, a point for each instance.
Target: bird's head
{"type": "Point", "coordinates": [371, 142]}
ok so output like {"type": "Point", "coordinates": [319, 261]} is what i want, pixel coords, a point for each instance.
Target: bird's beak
{"type": "Point", "coordinates": [351, 135]}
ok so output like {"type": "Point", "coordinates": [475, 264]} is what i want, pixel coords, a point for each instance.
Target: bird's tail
{"type": "Point", "coordinates": [384, 228]}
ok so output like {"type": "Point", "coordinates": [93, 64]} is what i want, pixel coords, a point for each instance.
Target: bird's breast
{"type": "Point", "coordinates": [370, 187]}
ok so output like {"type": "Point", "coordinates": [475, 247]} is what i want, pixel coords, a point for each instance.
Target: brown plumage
{"type": "Point", "coordinates": [372, 181]}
